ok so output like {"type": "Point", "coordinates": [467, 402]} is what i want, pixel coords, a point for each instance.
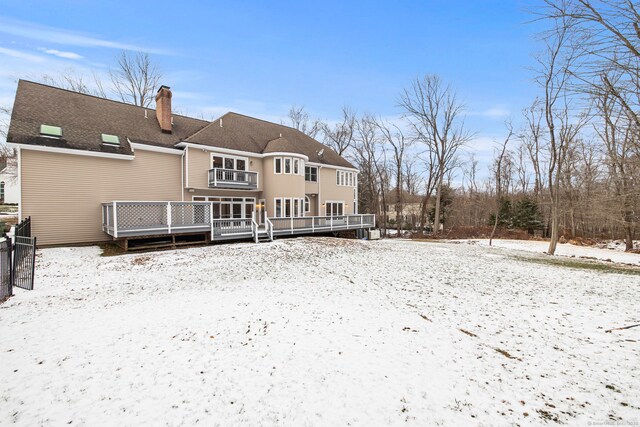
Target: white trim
{"type": "Point", "coordinates": [333, 167]}
{"type": "Point", "coordinates": [218, 149]}
{"type": "Point", "coordinates": [186, 184]}
{"type": "Point", "coordinates": [19, 160]}
{"type": "Point", "coordinates": [307, 199]}
{"type": "Point", "coordinates": [137, 146]}
{"type": "Point", "coordinates": [227, 156]}
{"type": "Point", "coordinates": [317, 168]}
{"type": "Point", "coordinates": [334, 201]}
{"type": "Point", "coordinates": [284, 153]}
{"type": "Point", "coordinates": [76, 152]}
{"type": "Point", "coordinates": [243, 190]}
{"type": "Point", "coordinates": [182, 176]}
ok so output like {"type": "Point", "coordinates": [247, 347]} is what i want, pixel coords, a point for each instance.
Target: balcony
{"type": "Point", "coordinates": [233, 179]}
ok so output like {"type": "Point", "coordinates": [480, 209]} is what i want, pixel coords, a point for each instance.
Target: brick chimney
{"type": "Point", "coordinates": [163, 108]}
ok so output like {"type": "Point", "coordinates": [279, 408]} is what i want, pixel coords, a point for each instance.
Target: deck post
{"type": "Point", "coordinates": [115, 220]}
{"type": "Point", "coordinates": [106, 207]}
{"type": "Point", "coordinates": [169, 216]}
{"type": "Point", "coordinates": [331, 222]}
{"type": "Point", "coordinates": [292, 225]}
{"type": "Point", "coordinates": [211, 218]}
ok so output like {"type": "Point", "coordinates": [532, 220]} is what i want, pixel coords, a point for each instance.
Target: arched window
{"type": "Point", "coordinates": [307, 204]}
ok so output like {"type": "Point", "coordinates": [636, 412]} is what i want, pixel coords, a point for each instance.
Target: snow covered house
{"type": "Point", "coordinates": [9, 193]}
{"type": "Point", "coordinates": [92, 169]}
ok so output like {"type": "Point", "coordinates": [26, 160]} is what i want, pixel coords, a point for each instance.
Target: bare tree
{"type": "Point", "coordinates": [340, 136]}
{"type": "Point", "coordinates": [609, 32]}
{"type": "Point", "coordinates": [135, 79]}
{"type": "Point", "coordinates": [499, 176]}
{"type": "Point", "coordinates": [532, 139]}
{"type": "Point", "coordinates": [5, 114]}
{"type": "Point", "coordinates": [617, 134]}
{"type": "Point", "coordinates": [299, 119]}
{"type": "Point", "coordinates": [435, 115]}
{"type": "Point", "coordinates": [393, 135]}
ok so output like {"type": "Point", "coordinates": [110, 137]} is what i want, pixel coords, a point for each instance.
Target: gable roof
{"type": "Point", "coordinates": [239, 132]}
{"type": "Point", "coordinates": [83, 118]}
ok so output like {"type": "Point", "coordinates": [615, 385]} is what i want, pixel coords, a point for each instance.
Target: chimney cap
{"type": "Point", "coordinates": [164, 87]}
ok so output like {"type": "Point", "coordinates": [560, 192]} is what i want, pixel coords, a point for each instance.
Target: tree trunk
{"type": "Point", "coordinates": [553, 243]}
{"type": "Point", "coordinates": [436, 217]}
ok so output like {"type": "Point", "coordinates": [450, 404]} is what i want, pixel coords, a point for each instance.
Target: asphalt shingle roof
{"type": "Point", "coordinates": [84, 118]}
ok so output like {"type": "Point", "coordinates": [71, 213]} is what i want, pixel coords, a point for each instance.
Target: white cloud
{"type": "Point", "coordinates": [20, 55]}
{"type": "Point", "coordinates": [64, 37]}
{"type": "Point", "coordinates": [497, 112]}
{"type": "Point", "coordinates": [60, 53]}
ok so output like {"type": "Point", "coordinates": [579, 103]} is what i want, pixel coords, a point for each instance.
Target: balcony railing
{"type": "Point", "coordinates": [233, 179]}
{"type": "Point", "coordinates": [133, 219]}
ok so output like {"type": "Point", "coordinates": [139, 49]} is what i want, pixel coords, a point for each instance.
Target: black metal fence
{"type": "Point", "coordinates": [6, 270]}
{"type": "Point", "coordinates": [24, 228]}
{"type": "Point", "coordinates": [17, 260]}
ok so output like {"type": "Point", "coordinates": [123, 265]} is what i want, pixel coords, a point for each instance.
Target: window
{"type": "Point", "coordinates": [2, 191]}
{"type": "Point", "coordinates": [277, 165]}
{"type": "Point", "coordinates": [110, 139]}
{"type": "Point", "coordinates": [296, 166]}
{"type": "Point", "coordinates": [228, 162]}
{"type": "Point", "coordinates": [307, 204]}
{"type": "Point", "coordinates": [287, 208]}
{"type": "Point", "coordinates": [296, 207]}
{"type": "Point", "coordinates": [51, 131]}
{"type": "Point", "coordinates": [217, 162]}
{"type": "Point", "coordinates": [334, 208]}
{"type": "Point", "coordinates": [310, 174]}
{"type": "Point", "coordinates": [348, 179]}
{"type": "Point", "coordinates": [287, 165]}
{"type": "Point", "coordinates": [278, 208]}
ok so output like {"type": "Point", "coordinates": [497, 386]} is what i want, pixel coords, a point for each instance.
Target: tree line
{"type": "Point", "coordinates": [569, 166]}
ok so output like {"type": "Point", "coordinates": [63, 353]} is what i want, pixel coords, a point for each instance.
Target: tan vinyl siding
{"type": "Point", "coordinates": [63, 193]}
{"type": "Point", "coordinates": [329, 190]}
{"type": "Point", "coordinates": [280, 185]}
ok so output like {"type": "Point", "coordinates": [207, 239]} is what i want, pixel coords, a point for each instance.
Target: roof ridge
{"type": "Point", "coordinates": [266, 121]}
{"type": "Point", "coordinates": [207, 126]}
{"type": "Point", "coordinates": [104, 99]}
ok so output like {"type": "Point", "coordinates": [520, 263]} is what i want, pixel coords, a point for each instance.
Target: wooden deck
{"type": "Point", "coordinates": [127, 219]}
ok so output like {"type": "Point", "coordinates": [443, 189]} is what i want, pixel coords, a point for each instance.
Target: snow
{"type": "Point", "coordinates": [565, 250]}
{"type": "Point", "coordinates": [318, 331]}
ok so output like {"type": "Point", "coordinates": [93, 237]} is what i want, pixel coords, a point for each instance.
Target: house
{"type": "Point", "coordinates": [411, 207]}
{"type": "Point", "coordinates": [92, 169]}
{"type": "Point", "coordinates": [9, 193]}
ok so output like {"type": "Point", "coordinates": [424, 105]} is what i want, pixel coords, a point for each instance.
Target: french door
{"type": "Point", "coordinates": [334, 208]}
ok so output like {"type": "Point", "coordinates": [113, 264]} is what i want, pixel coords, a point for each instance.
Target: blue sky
{"type": "Point", "coordinates": [259, 58]}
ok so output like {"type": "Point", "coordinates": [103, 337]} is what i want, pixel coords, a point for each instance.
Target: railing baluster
{"type": "Point", "coordinates": [115, 220]}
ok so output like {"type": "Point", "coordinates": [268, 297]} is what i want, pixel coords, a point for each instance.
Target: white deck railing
{"type": "Point", "coordinates": [129, 219]}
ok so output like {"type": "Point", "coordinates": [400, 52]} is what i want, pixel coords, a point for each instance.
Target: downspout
{"type": "Point", "coordinates": [19, 159]}
{"type": "Point", "coordinates": [182, 175]}
{"type": "Point", "coordinates": [319, 192]}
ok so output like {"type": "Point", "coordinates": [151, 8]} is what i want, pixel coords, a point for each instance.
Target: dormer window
{"type": "Point", "coordinates": [51, 131]}
{"type": "Point", "coordinates": [110, 139]}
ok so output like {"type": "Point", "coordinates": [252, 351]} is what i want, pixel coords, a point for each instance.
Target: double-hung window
{"type": "Point", "coordinates": [311, 174]}
{"type": "Point", "coordinates": [277, 165]}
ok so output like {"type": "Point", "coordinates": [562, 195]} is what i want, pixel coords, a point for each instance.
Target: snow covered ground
{"type": "Point", "coordinates": [318, 331]}
{"type": "Point", "coordinates": [565, 249]}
